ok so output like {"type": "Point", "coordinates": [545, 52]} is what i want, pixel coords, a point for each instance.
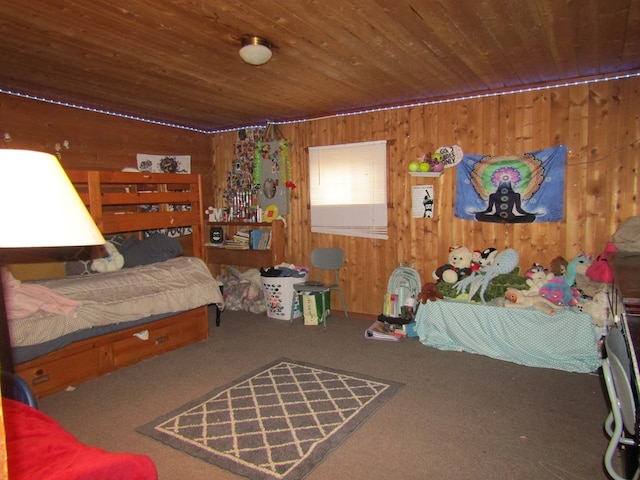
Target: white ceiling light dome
{"type": "Point", "coordinates": [255, 50]}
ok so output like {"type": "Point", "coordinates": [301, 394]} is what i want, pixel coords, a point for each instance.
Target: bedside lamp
{"type": "Point", "coordinates": [39, 207]}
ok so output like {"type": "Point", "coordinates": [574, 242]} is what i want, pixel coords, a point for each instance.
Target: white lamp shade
{"type": "Point", "coordinates": [39, 207]}
{"type": "Point", "coordinates": [255, 54]}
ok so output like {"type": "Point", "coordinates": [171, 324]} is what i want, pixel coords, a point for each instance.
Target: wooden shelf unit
{"type": "Point", "coordinates": [218, 256]}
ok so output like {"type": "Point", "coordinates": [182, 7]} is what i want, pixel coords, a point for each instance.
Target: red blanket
{"type": "Point", "coordinates": [38, 448]}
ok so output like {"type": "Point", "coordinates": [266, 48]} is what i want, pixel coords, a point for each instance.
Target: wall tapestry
{"type": "Point", "coordinates": [520, 188]}
{"type": "Point", "coordinates": [165, 164]}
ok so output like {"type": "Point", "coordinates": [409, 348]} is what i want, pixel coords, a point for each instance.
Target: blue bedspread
{"type": "Point", "coordinates": [564, 341]}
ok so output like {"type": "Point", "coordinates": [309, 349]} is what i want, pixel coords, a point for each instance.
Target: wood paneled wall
{"type": "Point", "coordinates": [96, 141]}
{"type": "Point", "coordinates": [598, 122]}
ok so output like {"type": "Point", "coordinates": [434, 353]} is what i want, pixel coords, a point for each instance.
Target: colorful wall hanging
{"type": "Point", "coordinates": [520, 188]}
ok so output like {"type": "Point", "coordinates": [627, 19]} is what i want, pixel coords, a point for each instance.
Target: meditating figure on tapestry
{"type": "Point", "coordinates": [505, 206]}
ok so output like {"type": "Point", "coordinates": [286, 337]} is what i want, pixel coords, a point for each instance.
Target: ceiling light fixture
{"type": "Point", "coordinates": [255, 50]}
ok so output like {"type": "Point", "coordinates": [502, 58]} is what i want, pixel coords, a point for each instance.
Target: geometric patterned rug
{"type": "Point", "coordinates": [278, 422]}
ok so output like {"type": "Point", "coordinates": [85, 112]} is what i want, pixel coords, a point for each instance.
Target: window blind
{"type": "Point", "coordinates": [348, 188]}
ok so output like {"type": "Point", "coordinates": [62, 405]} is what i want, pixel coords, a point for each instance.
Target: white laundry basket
{"type": "Point", "coordinates": [280, 297]}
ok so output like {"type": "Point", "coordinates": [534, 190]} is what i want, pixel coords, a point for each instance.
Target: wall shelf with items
{"type": "Point", "coordinates": [219, 254]}
{"type": "Point", "coordinates": [426, 174]}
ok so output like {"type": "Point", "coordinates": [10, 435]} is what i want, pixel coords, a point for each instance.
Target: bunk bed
{"type": "Point", "coordinates": [111, 329]}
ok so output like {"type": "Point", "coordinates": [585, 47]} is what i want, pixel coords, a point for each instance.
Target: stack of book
{"type": "Point", "coordinates": [239, 241]}
{"type": "Point", "coordinates": [246, 239]}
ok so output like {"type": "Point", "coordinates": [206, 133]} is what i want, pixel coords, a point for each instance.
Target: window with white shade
{"type": "Point", "coordinates": [348, 187]}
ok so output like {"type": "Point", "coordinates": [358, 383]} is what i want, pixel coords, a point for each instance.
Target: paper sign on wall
{"type": "Point", "coordinates": [422, 201]}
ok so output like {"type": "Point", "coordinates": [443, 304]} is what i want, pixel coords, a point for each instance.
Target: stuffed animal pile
{"type": "Point", "coordinates": [566, 284]}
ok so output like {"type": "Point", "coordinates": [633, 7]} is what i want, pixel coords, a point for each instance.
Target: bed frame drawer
{"type": "Point", "coordinates": [58, 373]}
{"type": "Point", "coordinates": [92, 358]}
{"type": "Point", "coordinates": [157, 339]}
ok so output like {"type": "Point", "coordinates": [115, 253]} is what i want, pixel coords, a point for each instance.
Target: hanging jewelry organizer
{"type": "Point", "coordinates": [240, 193]}
{"type": "Point", "coordinates": [272, 173]}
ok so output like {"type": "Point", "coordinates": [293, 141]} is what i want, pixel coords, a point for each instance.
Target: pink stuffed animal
{"type": "Point", "coordinates": [558, 292]}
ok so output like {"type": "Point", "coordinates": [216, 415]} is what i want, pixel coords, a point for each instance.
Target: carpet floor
{"type": "Point", "coordinates": [458, 416]}
{"type": "Point", "coordinates": [275, 423]}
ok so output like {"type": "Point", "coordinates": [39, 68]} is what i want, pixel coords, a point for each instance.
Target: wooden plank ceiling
{"type": "Point", "coordinates": [177, 61]}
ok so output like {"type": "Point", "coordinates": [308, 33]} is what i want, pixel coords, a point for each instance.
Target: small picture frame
{"type": "Point", "coordinates": [422, 201]}
{"type": "Point", "coordinates": [216, 235]}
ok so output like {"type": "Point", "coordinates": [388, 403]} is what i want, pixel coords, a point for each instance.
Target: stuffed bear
{"type": "Point", "coordinates": [428, 292]}
{"type": "Point", "coordinates": [459, 265]}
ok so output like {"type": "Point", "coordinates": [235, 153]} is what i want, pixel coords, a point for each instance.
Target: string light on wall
{"type": "Point", "coordinates": [337, 115]}
{"type": "Point", "coordinates": [104, 112]}
{"type": "Point", "coordinates": [470, 97]}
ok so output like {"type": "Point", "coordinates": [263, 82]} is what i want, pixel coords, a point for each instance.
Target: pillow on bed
{"type": "Point", "coordinates": [78, 267]}
{"type": "Point", "coordinates": [154, 248]}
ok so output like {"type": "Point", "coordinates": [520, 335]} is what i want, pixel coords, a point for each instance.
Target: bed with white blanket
{"type": "Point", "coordinates": [566, 340]}
{"type": "Point", "coordinates": [156, 303]}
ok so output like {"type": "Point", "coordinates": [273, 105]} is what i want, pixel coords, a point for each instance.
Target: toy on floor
{"type": "Point", "coordinates": [517, 299]}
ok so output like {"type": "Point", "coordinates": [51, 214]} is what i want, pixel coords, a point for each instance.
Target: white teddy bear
{"type": "Point", "coordinates": [459, 265]}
